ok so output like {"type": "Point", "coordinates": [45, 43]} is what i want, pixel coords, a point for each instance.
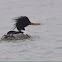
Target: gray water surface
{"type": "Point", "coordinates": [46, 40]}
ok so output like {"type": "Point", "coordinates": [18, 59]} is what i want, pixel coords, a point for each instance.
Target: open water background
{"type": "Point", "coordinates": [45, 43]}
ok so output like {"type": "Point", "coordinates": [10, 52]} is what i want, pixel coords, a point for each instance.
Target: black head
{"type": "Point", "coordinates": [22, 22]}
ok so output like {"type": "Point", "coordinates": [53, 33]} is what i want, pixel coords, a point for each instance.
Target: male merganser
{"type": "Point", "coordinates": [21, 23]}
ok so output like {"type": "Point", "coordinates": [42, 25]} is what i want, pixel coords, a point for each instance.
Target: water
{"type": "Point", "coordinates": [46, 40]}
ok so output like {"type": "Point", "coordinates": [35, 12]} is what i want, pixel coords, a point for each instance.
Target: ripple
{"type": "Point", "coordinates": [58, 48]}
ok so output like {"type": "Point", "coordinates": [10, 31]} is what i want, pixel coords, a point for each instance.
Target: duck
{"type": "Point", "coordinates": [20, 23]}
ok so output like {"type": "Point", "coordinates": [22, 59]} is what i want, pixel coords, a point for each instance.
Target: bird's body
{"type": "Point", "coordinates": [21, 23]}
